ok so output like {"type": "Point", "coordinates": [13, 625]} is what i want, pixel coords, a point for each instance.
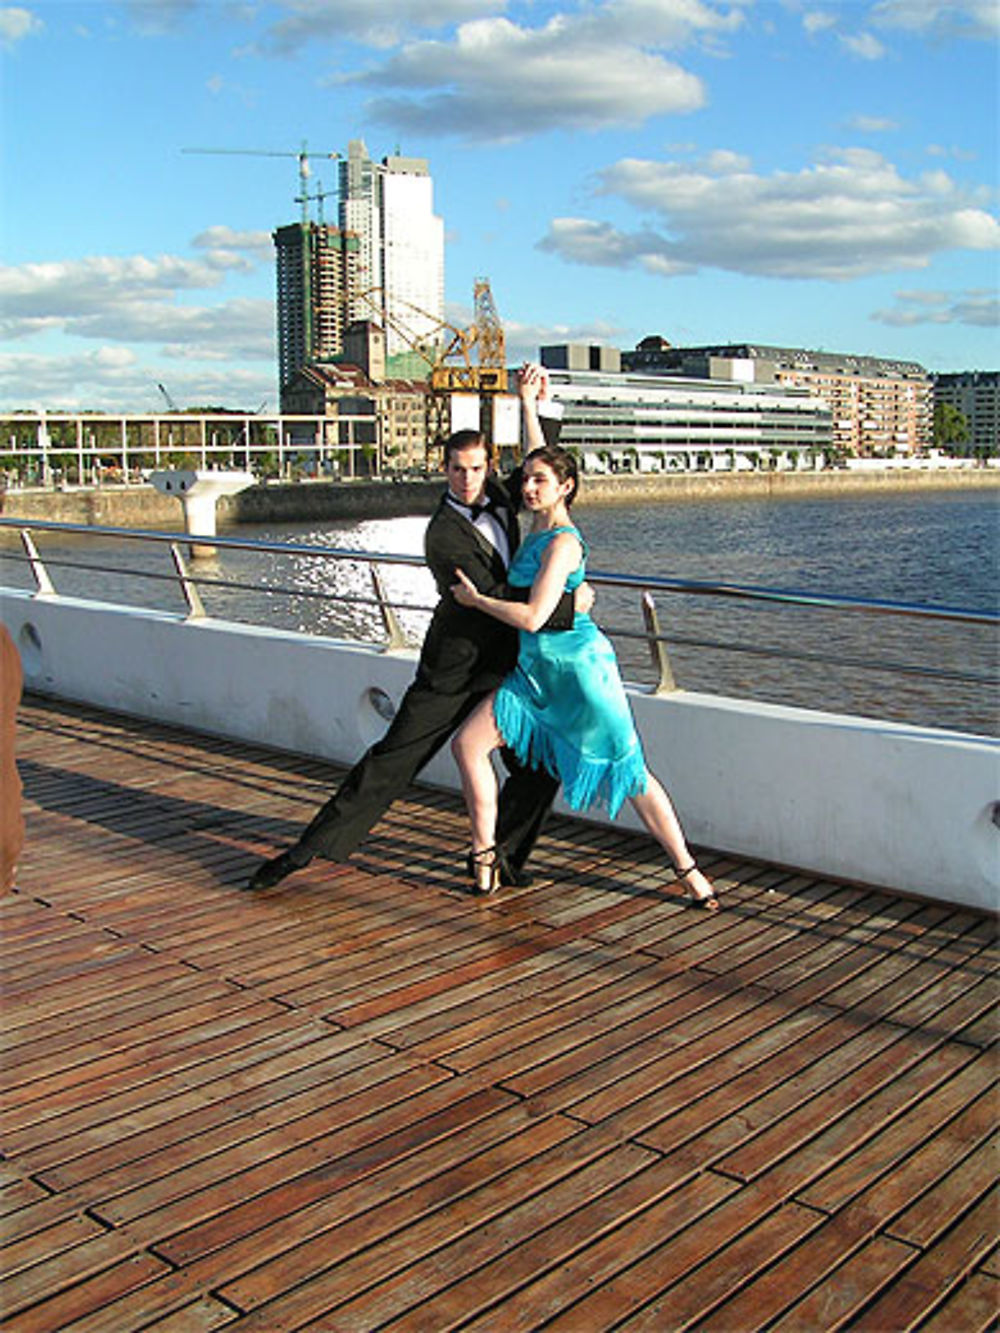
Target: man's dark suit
{"type": "Point", "coordinates": [465, 655]}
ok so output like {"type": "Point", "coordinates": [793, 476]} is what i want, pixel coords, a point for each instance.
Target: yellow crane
{"type": "Point", "coordinates": [454, 370]}
{"type": "Point", "coordinates": [459, 360]}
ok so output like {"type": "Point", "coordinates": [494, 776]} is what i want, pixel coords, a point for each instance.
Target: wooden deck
{"type": "Point", "coordinates": [367, 1100]}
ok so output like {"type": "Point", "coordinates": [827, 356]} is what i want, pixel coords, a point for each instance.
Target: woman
{"type": "Point", "coordinates": [563, 706]}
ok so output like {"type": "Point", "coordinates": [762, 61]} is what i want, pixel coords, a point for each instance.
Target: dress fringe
{"type": "Point", "coordinates": [585, 781]}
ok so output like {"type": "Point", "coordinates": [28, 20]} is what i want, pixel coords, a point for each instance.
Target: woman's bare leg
{"type": "Point", "coordinates": [655, 808]}
{"type": "Point", "coordinates": [472, 746]}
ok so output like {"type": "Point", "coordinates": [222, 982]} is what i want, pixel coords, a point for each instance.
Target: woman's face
{"type": "Point", "coordinates": [540, 487]}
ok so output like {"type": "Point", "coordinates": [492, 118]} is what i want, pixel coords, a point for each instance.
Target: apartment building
{"type": "Point", "coordinates": [976, 394]}
{"type": "Point", "coordinates": [878, 407]}
{"type": "Point", "coordinates": [626, 421]}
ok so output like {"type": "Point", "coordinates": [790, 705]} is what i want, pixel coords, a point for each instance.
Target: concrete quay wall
{"type": "Point", "coordinates": [143, 507]}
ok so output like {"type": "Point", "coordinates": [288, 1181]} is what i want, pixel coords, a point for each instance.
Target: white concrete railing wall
{"type": "Point", "coordinates": [897, 806]}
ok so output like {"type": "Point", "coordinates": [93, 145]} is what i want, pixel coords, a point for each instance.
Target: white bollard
{"type": "Point", "coordinates": [199, 492]}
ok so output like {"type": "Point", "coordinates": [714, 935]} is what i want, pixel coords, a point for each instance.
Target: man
{"type": "Point", "coordinates": [465, 655]}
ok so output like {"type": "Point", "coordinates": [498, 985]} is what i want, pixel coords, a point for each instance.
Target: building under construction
{"type": "Point", "coordinates": [317, 273]}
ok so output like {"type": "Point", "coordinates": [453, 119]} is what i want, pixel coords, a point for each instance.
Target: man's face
{"type": "Point", "coordinates": [467, 470]}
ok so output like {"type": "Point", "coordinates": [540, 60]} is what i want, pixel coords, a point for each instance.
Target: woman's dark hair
{"type": "Point", "coordinates": [467, 439]}
{"type": "Point", "coordinates": [562, 463]}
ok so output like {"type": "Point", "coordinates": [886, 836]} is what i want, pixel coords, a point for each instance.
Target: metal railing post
{"type": "Point", "coordinates": [196, 608]}
{"type": "Point", "coordinates": [395, 638]}
{"type": "Point", "coordinates": [665, 683]}
{"type": "Point", "coordinates": [41, 575]}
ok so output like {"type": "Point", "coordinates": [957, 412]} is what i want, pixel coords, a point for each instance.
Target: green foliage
{"type": "Point", "coordinates": [950, 425]}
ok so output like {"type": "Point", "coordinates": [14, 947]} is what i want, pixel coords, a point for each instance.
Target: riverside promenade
{"type": "Point", "coordinates": [141, 506]}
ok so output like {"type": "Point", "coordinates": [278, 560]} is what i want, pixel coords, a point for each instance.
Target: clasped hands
{"type": "Point", "coordinates": [466, 593]}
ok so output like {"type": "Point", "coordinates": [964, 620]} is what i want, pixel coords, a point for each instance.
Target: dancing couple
{"type": "Point", "coordinates": [512, 661]}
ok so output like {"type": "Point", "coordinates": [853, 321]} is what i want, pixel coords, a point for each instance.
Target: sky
{"type": "Point", "coordinates": [821, 175]}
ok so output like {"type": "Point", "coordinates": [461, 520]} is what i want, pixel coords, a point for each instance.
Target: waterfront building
{"type": "Point", "coordinates": [384, 418]}
{"type": "Point", "coordinates": [976, 394]}
{"type": "Point", "coordinates": [879, 407]}
{"type": "Point", "coordinates": [389, 207]}
{"type": "Point", "coordinates": [626, 421]}
{"type": "Point", "coordinates": [317, 272]}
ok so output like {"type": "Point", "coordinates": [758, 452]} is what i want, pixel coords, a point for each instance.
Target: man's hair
{"type": "Point", "coordinates": [467, 439]}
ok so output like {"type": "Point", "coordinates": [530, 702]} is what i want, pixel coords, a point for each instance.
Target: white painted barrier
{"type": "Point", "coordinates": [906, 808]}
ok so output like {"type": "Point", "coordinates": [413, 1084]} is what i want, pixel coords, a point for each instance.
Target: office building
{"type": "Point", "coordinates": [976, 394]}
{"type": "Point", "coordinates": [317, 273]}
{"type": "Point", "coordinates": [627, 422]}
{"type": "Point", "coordinates": [389, 207]}
{"type": "Point", "coordinates": [879, 407]}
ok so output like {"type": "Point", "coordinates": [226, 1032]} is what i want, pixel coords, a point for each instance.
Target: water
{"type": "Point", "coordinates": [936, 548]}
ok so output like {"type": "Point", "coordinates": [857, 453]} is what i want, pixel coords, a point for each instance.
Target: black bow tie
{"type": "Point", "coordinates": [488, 506]}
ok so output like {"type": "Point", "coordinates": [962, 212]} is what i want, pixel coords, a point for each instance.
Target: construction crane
{"type": "Point", "coordinates": [485, 337]}
{"type": "Point", "coordinates": [458, 360]}
{"type": "Point", "coordinates": [319, 196]}
{"type": "Point", "coordinates": [171, 405]}
{"type": "Point", "coordinates": [469, 360]}
{"type": "Point", "coordinates": [302, 157]}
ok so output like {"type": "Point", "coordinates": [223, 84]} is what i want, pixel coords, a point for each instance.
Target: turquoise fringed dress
{"type": "Point", "coordinates": [563, 706]}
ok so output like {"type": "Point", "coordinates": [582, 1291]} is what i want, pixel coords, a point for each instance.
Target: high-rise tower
{"type": "Point", "coordinates": [317, 269]}
{"type": "Point", "coordinates": [390, 207]}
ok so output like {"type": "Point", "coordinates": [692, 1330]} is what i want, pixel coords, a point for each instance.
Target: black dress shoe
{"type": "Point", "coordinates": [514, 877]}
{"type": "Point", "coordinates": [272, 872]}
{"type": "Point", "coordinates": [510, 876]}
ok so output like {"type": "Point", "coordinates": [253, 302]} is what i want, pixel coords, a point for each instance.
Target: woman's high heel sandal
{"type": "Point", "coordinates": [708, 902]}
{"type": "Point", "coordinates": [485, 866]}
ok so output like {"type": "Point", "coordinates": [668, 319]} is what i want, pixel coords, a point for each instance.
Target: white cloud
{"type": "Point", "coordinates": [603, 246]}
{"type": "Point", "coordinates": [16, 24]}
{"type": "Point", "coordinates": [818, 21]}
{"type": "Point", "coordinates": [864, 45]}
{"type": "Point", "coordinates": [524, 340]}
{"type": "Point", "coordinates": [873, 124]}
{"type": "Point", "coordinates": [378, 23]}
{"type": "Point", "coordinates": [499, 80]}
{"type": "Point", "coordinates": [156, 17]}
{"type": "Point", "coordinates": [67, 289]}
{"type": "Point", "coordinates": [131, 302]}
{"type": "Point", "coordinates": [933, 19]}
{"type": "Point", "coordinates": [112, 379]}
{"type": "Point", "coordinates": [851, 215]}
{"type": "Point", "coordinates": [959, 154]}
{"type": "Point", "coordinates": [220, 241]}
{"type": "Point", "coordinates": [977, 307]}
{"type": "Point", "coordinates": [940, 18]}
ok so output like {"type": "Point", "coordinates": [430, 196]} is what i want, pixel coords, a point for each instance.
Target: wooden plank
{"type": "Point", "coordinates": [967, 1179]}
{"type": "Point", "coordinates": [972, 1307]}
{"type": "Point", "coordinates": [923, 1288]}
{"type": "Point", "coordinates": [67, 1268]}
{"type": "Point", "coordinates": [59, 1306]}
{"type": "Point", "coordinates": [910, 1151]}
{"type": "Point", "coordinates": [831, 1128]}
{"type": "Point", "coordinates": [829, 1274]}
{"type": "Point", "coordinates": [188, 1127]}
{"type": "Point", "coordinates": [389, 1282]}
{"type": "Point", "coordinates": [839, 1293]}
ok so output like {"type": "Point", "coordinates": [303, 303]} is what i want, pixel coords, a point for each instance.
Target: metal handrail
{"type": "Point", "coordinates": [647, 585]}
{"type": "Point", "coordinates": [600, 578]}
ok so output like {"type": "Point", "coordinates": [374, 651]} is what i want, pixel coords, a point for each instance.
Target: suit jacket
{"type": "Point", "coordinates": [466, 650]}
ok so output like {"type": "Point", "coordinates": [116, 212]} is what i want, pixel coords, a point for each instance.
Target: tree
{"type": "Point", "coordinates": [950, 425]}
